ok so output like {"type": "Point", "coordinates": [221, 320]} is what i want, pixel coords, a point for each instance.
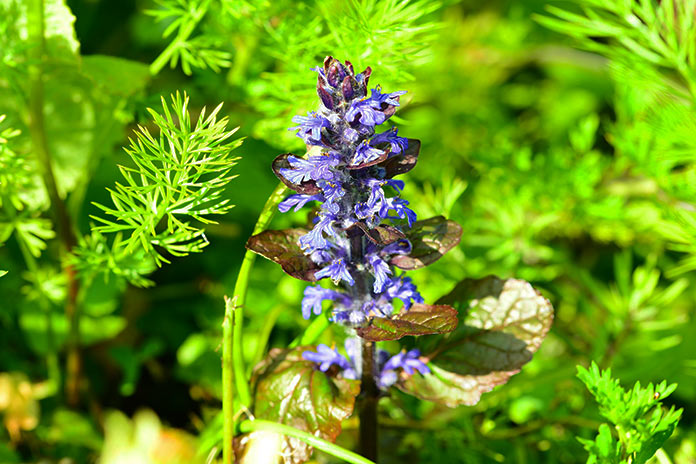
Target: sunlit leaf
{"type": "Point", "coordinates": [431, 239]}
{"type": "Point", "coordinates": [294, 392]}
{"type": "Point", "coordinates": [501, 324]}
{"type": "Point", "coordinates": [421, 319]}
{"type": "Point", "coordinates": [282, 247]}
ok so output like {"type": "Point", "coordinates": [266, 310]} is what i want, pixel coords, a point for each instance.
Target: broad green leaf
{"type": "Point", "coordinates": [282, 247]}
{"type": "Point", "coordinates": [117, 76]}
{"type": "Point", "coordinates": [430, 239]}
{"type": "Point", "coordinates": [421, 319]}
{"type": "Point", "coordinates": [292, 391]}
{"type": "Point", "coordinates": [501, 324]}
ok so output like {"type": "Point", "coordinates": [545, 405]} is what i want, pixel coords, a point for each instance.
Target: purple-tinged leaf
{"type": "Point", "coordinates": [381, 235]}
{"type": "Point", "coordinates": [293, 391]}
{"type": "Point", "coordinates": [430, 239]}
{"type": "Point", "coordinates": [421, 319]}
{"type": "Point", "coordinates": [403, 162]}
{"type": "Point", "coordinates": [282, 247]}
{"type": "Point", "coordinates": [501, 325]}
{"type": "Point", "coordinates": [281, 162]}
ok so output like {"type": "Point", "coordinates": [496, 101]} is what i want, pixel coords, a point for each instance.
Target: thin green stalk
{"type": "Point", "coordinates": [233, 371]}
{"type": "Point", "coordinates": [312, 332]}
{"type": "Point", "coordinates": [268, 324]}
{"type": "Point", "coordinates": [227, 383]}
{"type": "Point", "coordinates": [37, 128]}
{"type": "Point", "coordinates": [318, 443]}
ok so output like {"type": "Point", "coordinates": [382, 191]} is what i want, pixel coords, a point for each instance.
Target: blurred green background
{"type": "Point", "coordinates": [568, 168]}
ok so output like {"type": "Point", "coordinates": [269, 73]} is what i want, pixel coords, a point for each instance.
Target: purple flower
{"type": "Point", "coordinates": [368, 115]}
{"type": "Point", "coordinates": [366, 153]}
{"type": "Point", "coordinates": [298, 201]}
{"type": "Point", "coordinates": [399, 206]}
{"type": "Point", "coordinates": [310, 126]}
{"type": "Point", "coordinates": [314, 296]}
{"type": "Point", "coordinates": [337, 270]}
{"type": "Point", "coordinates": [377, 97]}
{"type": "Point", "coordinates": [403, 289]}
{"type": "Point", "coordinates": [397, 144]}
{"type": "Point", "coordinates": [343, 129]}
{"type": "Point", "coordinates": [326, 357]}
{"type": "Point", "coordinates": [408, 361]}
{"type": "Point", "coordinates": [314, 240]}
{"type": "Point", "coordinates": [314, 168]}
{"type": "Point", "coordinates": [381, 271]}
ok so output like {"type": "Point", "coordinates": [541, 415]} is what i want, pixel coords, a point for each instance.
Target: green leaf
{"type": "Point", "coordinates": [282, 247]}
{"type": "Point", "coordinates": [643, 425]}
{"type": "Point", "coordinates": [501, 324]}
{"type": "Point", "coordinates": [292, 391]}
{"type": "Point", "coordinates": [604, 449]}
{"type": "Point", "coordinates": [61, 40]}
{"type": "Point", "coordinates": [421, 319]}
{"type": "Point", "coordinates": [430, 239]}
{"type": "Point", "coordinates": [118, 76]}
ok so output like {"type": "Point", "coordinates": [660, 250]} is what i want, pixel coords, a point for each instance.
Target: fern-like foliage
{"type": "Point", "coordinates": [192, 51]}
{"type": "Point", "coordinates": [641, 424]}
{"type": "Point", "coordinates": [18, 213]}
{"type": "Point", "coordinates": [661, 33]}
{"type": "Point", "coordinates": [178, 179]}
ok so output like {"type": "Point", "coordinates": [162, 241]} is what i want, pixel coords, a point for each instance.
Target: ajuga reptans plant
{"type": "Point", "coordinates": [362, 237]}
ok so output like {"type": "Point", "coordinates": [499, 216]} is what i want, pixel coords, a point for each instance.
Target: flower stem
{"type": "Point", "coordinates": [325, 446]}
{"type": "Point", "coordinates": [369, 395]}
{"type": "Point", "coordinates": [233, 371]}
{"type": "Point", "coordinates": [368, 403]}
{"type": "Point", "coordinates": [37, 128]}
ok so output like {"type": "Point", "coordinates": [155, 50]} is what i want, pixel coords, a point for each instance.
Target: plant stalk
{"type": "Point", "coordinates": [369, 397]}
{"type": "Point", "coordinates": [233, 372]}
{"type": "Point", "coordinates": [228, 388]}
{"type": "Point", "coordinates": [369, 394]}
{"type": "Point", "coordinates": [64, 225]}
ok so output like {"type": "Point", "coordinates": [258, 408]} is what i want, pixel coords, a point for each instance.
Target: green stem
{"type": "Point", "coordinates": [268, 324]}
{"type": "Point", "coordinates": [312, 332]}
{"type": "Point", "coordinates": [325, 446]}
{"type": "Point", "coordinates": [37, 128]}
{"type": "Point", "coordinates": [367, 403]}
{"type": "Point", "coordinates": [228, 389]}
{"type": "Point", "coordinates": [233, 371]}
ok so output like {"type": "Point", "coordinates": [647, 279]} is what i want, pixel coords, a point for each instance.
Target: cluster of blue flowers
{"type": "Point", "coordinates": [348, 178]}
{"type": "Point", "coordinates": [386, 366]}
{"type": "Point", "coordinates": [347, 172]}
